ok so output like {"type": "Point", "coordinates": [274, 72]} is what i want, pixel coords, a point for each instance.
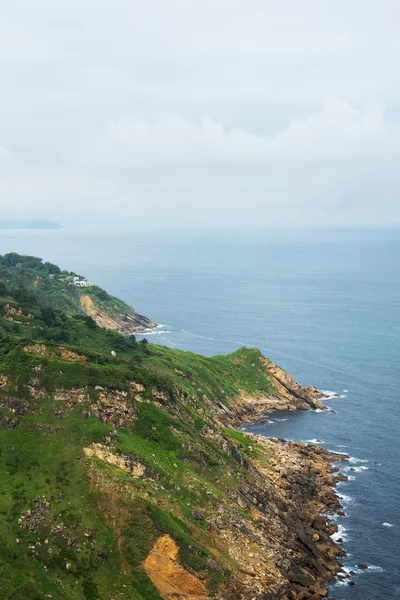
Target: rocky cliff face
{"type": "Point", "coordinates": [258, 518]}
{"type": "Point", "coordinates": [287, 387]}
{"type": "Point", "coordinates": [270, 529]}
{"type": "Point", "coordinates": [122, 476]}
{"type": "Point", "coordinates": [287, 394]}
{"type": "Point", "coordinates": [126, 322]}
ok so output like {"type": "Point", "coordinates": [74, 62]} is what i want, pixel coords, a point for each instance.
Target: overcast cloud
{"type": "Point", "coordinates": [210, 113]}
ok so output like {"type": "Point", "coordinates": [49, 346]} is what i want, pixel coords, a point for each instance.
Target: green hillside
{"type": "Point", "coordinates": [120, 476]}
{"type": "Point", "coordinates": [29, 278]}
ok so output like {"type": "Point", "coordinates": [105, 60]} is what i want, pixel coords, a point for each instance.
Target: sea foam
{"type": "Point", "coordinates": [331, 395]}
{"type": "Point", "coordinates": [345, 499]}
{"type": "Point", "coordinates": [357, 469]}
{"type": "Point", "coordinates": [353, 459]}
{"type": "Point", "coordinates": [340, 534]}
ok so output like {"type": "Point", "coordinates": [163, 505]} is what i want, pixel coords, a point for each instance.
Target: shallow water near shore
{"type": "Point", "coordinates": [323, 305]}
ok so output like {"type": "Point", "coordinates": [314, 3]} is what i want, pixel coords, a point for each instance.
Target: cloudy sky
{"type": "Point", "coordinates": [186, 113]}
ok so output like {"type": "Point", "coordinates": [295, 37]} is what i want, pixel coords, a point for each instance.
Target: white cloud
{"type": "Point", "coordinates": [199, 109]}
{"type": "Point", "coordinates": [337, 132]}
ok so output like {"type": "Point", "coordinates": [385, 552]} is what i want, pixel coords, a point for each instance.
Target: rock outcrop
{"type": "Point", "coordinates": [283, 545]}
{"type": "Point", "coordinates": [262, 515]}
{"type": "Point", "coordinates": [287, 387]}
{"type": "Point", "coordinates": [127, 322]}
{"type": "Point", "coordinates": [172, 580]}
{"type": "Point", "coordinates": [129, 464]}
{"type": "Point", "coordinates": [288, 394]}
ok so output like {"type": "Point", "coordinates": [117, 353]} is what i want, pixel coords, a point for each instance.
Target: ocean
{"type": "Point", "coordinates": [322, 304]}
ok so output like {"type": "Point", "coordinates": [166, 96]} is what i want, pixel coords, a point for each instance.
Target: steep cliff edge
{"type": "Point", "coordinates": [158, 499]}
{"type": "Point", "coordinates": [123, 479]}
{"type": "Point", "coordinates": [117, 318]}
{"type": "Point", "coordinates": [68, 292]}
{"type": "Point", "coordinates": [285, 393]}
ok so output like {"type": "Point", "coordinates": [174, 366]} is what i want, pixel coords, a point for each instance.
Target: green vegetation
{"type": "Point", "coordinates": [73, 527]}
{"type": "Point", "coordinates": [28, 278]}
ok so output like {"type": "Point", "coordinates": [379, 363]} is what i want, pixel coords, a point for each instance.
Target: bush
{"type": "Point", "coordinates": [154, 424]}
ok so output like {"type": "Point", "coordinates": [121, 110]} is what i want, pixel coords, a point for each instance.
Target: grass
{"type": "Point", "coordinates": [101, 522]}
{"type": "Point", "coordinates": [41, 458]}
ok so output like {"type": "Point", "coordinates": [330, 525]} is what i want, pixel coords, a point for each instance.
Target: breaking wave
{"type": "Point", "coordinates": [340, 534]}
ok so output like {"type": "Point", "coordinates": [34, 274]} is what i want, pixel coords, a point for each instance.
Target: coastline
{"type": "Point", "coordinates": [287, 394]}
{"type": "Point", "coordinates": [356, 418]}
{"type": "Point", "coordinates": [307, 475]}
{"type": "Point", "coordinates": [300, 479]}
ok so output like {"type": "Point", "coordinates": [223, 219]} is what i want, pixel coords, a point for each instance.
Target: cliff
{"type": "Point", "coordinates": [122, 477]}
{"type": "Point", "coordinates": [285, 393]}
{"type": "Point", "coordinates": [112, 315]}
{"type": "Point", "coordinates": [68, 292]}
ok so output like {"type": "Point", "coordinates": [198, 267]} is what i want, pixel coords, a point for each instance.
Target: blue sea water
{"type": "Point", "coordinates": [322, 304]}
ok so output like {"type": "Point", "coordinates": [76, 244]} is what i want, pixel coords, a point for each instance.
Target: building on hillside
{"type": "Point", "coordinates": [80, 281]}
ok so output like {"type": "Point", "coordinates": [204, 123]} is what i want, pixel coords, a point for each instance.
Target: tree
{"type": "Point", "coordinates": [145, 346]}
{"type": "Point", "coordinates": [24, 297]}
{"type": "Point", "coordinates": [90, 322]}
{"type": "Point", "coordinates": [48, 315]}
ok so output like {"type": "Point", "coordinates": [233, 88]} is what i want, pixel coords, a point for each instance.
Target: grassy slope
{"type": "Point", "coordinates": [111, 518]}
{"type": "Point", "coordinates": [32, 275]}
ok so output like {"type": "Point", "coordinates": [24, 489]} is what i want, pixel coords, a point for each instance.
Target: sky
{"type": "Point", "coordinates": [200, 113]}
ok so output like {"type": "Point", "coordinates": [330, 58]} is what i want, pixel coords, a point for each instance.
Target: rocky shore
{"type": "Point", "coordinates": [307, 476]}
{"type": "Point", "coordinates": [287, 394]}
{"type": "Point", "coordinates": [129, 322]}
{"type": "Point", "coordinates": [303, 478]}
{"type": "Point", "coordinates": [124, 475]}
{"type": "Point", "coordinates": [257, 510]}
{"type": "Point", "coordinates": [288, 552]}
{"type": "Point", "coordinates": [274, 527]}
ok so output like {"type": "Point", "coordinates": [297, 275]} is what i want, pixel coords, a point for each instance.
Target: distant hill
{"type": "Point", "coordinates": [29, 225]}
{"type": "Point", "coordinates": [68, 292]}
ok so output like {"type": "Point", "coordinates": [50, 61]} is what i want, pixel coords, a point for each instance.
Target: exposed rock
{"type": "Point", "coordinates": [160, 395]}
{"type": "Point", "coordinates": [71, 396]}
{"type": "Point", "coordinates": [17, 406]}
{"type": "Point", "coordinates": [36, 349]}
{"type": "Point", "coordinates": [9, 422]}
{"type": "Point", "coordinates": [130, 464]}
{"type": "Point", "coordinates": [136, 388]}
{"type": "Point", "coordinates": [172, 580]}
{"type": "Point", "coordinates": [197, 515]}
{"type": "Point", "coordinates": [113, 406]}
{"type": "Point", "coordinates": [122, 322]}
{"type": "Point", "coordinates": [299, 555]}
{"type": "Point", "coordinates": [287, 386]}
{"type": "Point", "coordinates": [233, 452]}
{"type": "Point", "coordinates": [288, 395]}
{"type": "Point", "coordinates": [64, 353]}
{"type": "Point", "coordinates": [35, 518]}
{"type": "Point", "coordinates": [70, 355]}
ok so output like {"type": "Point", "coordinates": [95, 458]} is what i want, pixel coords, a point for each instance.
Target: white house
{"type": "Point", "coordinates": [80, 281]}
